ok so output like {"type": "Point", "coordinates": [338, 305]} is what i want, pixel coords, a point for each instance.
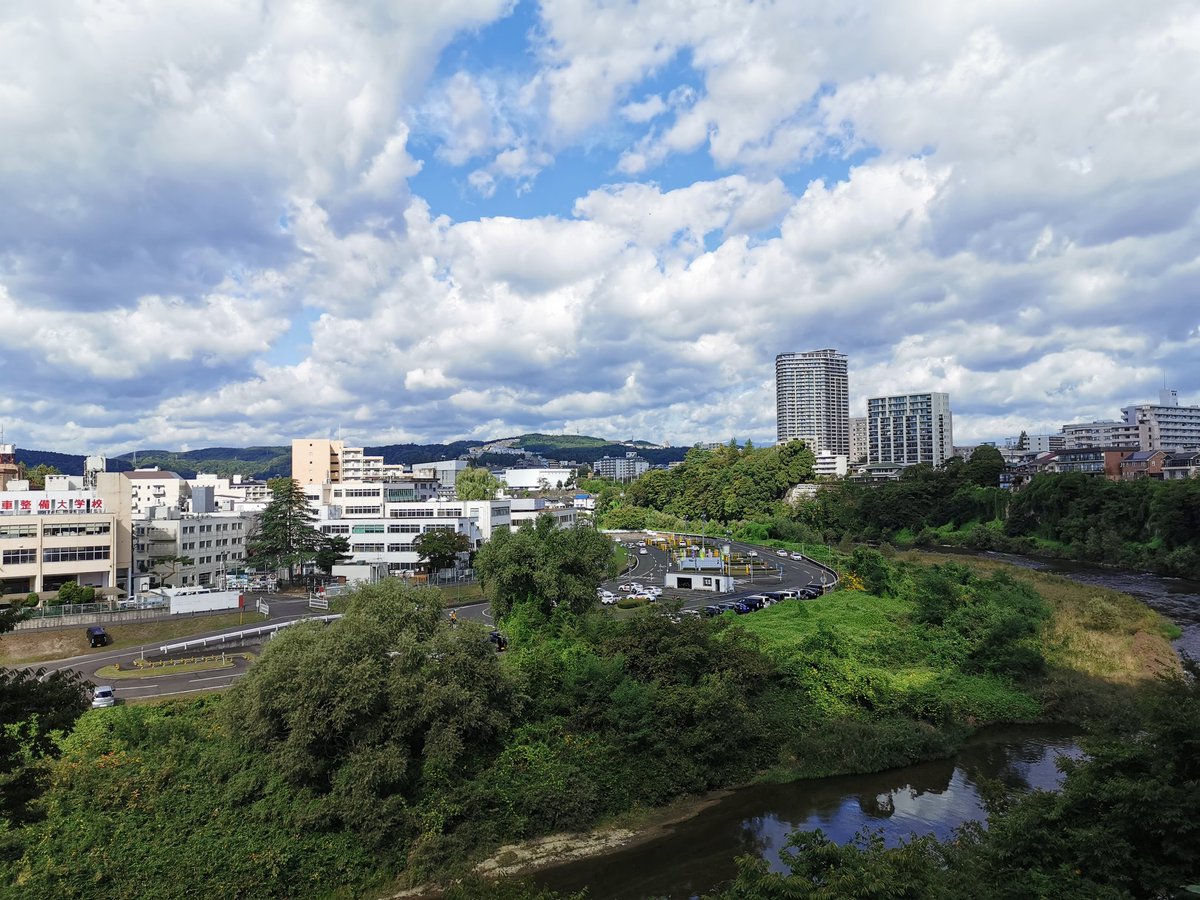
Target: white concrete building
{"type": "Point", "coordinates": [230, 493]}
{"type": "Point", "coordinates": [215, 542]}
{"type": "Point", "coordinates": [540, 479]}
{"type": "Point", "coordinates": [380, 522]}
{"type": "Point", "coordinates": [812, 400]}
{"type": "Point", "coordinates": [621, 468]}
{"type": "Point", "coordinates": [907, 429]}
{"type": "Point", "coordinates": [152, 487]}
{"type": "Point", "coordinates": [1108, 433]}
{"type": "Point", "coordinates": [830, 465]}
{"type": "Point", "coordinates": [1164, 425]}
{"type": "Point", "coordinates": [529, 509]}
{"type": "Point", "coordinates": [445, 472]}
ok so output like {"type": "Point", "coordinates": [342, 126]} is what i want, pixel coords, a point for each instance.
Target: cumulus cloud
{"type": "Point", "coordinates": [209, 233]}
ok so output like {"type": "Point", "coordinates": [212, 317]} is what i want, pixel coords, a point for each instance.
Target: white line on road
{"type": "Point", "coordinates": [136, 687]}
{"type": "Point", "coordinates": [216, 677]}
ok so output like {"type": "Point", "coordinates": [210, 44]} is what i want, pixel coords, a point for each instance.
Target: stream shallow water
{"type": "Point", "coordinates": [698, 855]}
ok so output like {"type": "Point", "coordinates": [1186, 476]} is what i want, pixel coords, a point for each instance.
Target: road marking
{"type": "Point", "coordinates": [137, 687]}
{"type": "Point", "coordinates": [216, 677]}
{"type": "Point", "coordinates": [188, 691]}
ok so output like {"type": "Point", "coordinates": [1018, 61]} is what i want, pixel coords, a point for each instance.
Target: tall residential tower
{"type": "Point", "coordinates": [812, 400]}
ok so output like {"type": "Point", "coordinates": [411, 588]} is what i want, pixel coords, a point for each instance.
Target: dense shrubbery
{"type": "Point", "coordinates": [1136, 524]}
{"type": "Point", "coordinates": [395, 741]}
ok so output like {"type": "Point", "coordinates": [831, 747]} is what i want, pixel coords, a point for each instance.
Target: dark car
{"type": "Point", "coordinates": [499, 640]}
{"type": "Point", "coordinates": [754, 602]}
{"type": "Point", "coordinates": [810, 593]}
{"type": "Point", "coordinates": [713, 610]}
{"type": "Point", "coordinates": [776, 596]}
{"type": "Point", "coordinates": [97, 636]}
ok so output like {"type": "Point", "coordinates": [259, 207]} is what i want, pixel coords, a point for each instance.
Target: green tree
{"type": "Point", "coordinates": [171, 564]}
{"type": "Point", "coordinates": [439, 549]}
{"type": "Point", "coordinates": [285, 536]}
{"type": "Point", "coordinates": [985, 466]}
{"type": "Point", "coordinates": [334, 549]}
{"type": "Point", "coordinates": [544, 565]}
{"type": "Point", "coordinates": [403, 703]}
{"type": "Point", "coordinates": [37, 475]}
{"type": "Point", "coordinates": [476, 484]}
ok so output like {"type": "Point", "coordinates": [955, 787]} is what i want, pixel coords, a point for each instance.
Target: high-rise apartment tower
{"type": "Point", "coordinates": [812, 400]}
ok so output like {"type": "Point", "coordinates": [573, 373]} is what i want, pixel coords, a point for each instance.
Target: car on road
{"type": "Point", "coordinates": [797, 556]}
{"type": "Point", "coordinates": [606, 597]}
{"type": "Point", "coordinates": [96, 636]}
{"type": "Point", "coordinates": [782, 553]}
{"type": "Point", "coordinates": [642, 551]}
{"type": "Point", "coordinates": [103, 696]}
{"type": "Point", "coordinates": [753, 553]}
{"type": "Point", "coordinates": [625, 588]}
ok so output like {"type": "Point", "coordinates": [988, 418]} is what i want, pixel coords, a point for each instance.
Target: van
{"type": "Point", "coordinates": [97, 636]}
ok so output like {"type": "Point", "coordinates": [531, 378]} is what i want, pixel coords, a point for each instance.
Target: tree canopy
{"type": "Point", "coordinates": [439, 549]}
{"type": "Point", "coordinates": [476, 484]}
{"type": "Point", "coordinates": [285, 536]}
{"type": "Point", "coordinates": [543, 565]}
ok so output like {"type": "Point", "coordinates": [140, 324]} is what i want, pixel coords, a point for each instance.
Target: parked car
{"type": "Point", "coordinates": [713, 610]}
{"type": "Point", "coordinates": [754, 601]}
{"type": "Point", "coordinates": [97, 637]}
{"type": "Point", "coordinates": [103, 696]}
{"type": "Point", "coordinates": [775, 596]}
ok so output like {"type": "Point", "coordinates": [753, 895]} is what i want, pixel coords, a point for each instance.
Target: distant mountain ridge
{"type": "Point", "coordinates": [269, 462]}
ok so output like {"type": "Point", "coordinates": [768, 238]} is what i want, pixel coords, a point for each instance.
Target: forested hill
{"type": "Point", "coordinates": [270, 461]}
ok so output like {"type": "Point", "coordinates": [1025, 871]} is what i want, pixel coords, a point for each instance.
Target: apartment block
{"type": "Point", "coordinates": [812, 400]}
{"type": "Point", "coordinates": [907, 429]}
{"type": "Point", "coordinates": [860, 439]}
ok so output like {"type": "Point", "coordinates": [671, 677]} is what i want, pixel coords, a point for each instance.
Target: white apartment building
{"type": "Point", "coordinates": [381, 520]}
{"type": "Point", "coordinates": [812, 400]}
{"type": "Point", "coordinates": [830, 465]}
{"type": "Point", "coordinates": [444, 471]}
{"type": "Point", "coordinates": [907, 429]}
{"type": "Point", "coordinates": [620, 468]}
{"type": "Point", "coordinates": [1165, 425]}
{"type": "Point", "coordinates": [1108, 433]}
{"type": "Point", "coordinates": [230, 493]}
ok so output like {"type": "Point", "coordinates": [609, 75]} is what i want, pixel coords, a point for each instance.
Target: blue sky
{"type": "Point", "coordinates": [242, 223]}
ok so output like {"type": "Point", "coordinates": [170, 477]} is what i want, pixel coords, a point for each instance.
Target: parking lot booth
{"type": "Point", "coordinates": [699, 581]}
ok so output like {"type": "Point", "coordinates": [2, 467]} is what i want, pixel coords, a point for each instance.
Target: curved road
{"type": "Point", "coordinates": [647, 569]}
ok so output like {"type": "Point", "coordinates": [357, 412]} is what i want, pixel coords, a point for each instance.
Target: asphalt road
{"type": "Point", "coordinates": [648, 569]}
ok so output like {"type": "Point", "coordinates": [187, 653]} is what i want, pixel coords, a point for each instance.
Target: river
{"type": "Point", "coordinates": [698, 855]}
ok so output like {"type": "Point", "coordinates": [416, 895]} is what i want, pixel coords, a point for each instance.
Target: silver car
{"type": "Point", "coordinates": [103, 696]}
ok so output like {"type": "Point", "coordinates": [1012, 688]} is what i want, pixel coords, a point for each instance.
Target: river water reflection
{"type": "Point", "coordinates": [698, 855]}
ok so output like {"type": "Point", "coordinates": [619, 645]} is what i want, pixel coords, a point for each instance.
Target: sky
{"type": "Point", "coordinates": [236, 222]}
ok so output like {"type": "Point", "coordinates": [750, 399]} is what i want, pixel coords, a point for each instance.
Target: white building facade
{"type": "Point", "coordinates": [907, 429]}
{"type": "Point", "coordinates": [812, 400]}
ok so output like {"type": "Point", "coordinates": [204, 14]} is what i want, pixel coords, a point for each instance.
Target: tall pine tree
{"type": "Point", "coordinates": [286, 536]}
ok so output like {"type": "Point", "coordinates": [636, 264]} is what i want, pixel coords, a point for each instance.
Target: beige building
{"type": "Point", "coordinates": [317, 461]}
{"type": "Point", "coordinates": [860, 439]}
{"type": "Point", "coordinates": [66, 534]}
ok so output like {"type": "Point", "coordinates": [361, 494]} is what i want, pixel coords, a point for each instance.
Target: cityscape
{"type": "Point", "coordinates": [398, 500]}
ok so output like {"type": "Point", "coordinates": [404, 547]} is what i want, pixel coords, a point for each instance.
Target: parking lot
{"type": "Point", "coordinates": [755, 571]}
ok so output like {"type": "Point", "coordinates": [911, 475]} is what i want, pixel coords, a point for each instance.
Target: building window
{"type": "Point", "coordinates": [74, 554]}
{"type": "Point", "coordinates": [370, 528]}
{"type": "Point", "coordinates": [17, 557]}
{"type": "Point", "coordinates": [18, 531]}
{"type": "Point", "coordinates": [404, 528]}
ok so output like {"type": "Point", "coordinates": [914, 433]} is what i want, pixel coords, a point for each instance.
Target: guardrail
{"type": "Point", "coordinates": [243, 635]}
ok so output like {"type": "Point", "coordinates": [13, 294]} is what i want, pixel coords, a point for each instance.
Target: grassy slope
{"type": "Point", "coordinates": [60, 643]}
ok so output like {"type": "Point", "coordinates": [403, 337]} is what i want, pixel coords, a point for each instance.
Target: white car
{"type": "Point", "coordinates": [642, 551]}
{"type": "Point", "coordinates": [797, 556]}
{"type": "Point", "coordinates": [103, 696]}
{"type": "Point", "coordinates": [782, 553]}
{"type": "Point", "coordinates": [608, 598]}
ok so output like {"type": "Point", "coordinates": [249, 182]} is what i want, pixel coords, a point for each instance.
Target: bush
{"type": "Point", "coordinates": [630, 603]}
{"type": "Point", "coordinates": [33, 599]}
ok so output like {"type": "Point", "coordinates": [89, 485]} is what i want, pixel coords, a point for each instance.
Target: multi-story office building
{"type": "Point", "coordinates": [910, 428]}
{"type": "Point", "coordinates": [213, 543]}
{"type": "Point", "coordinates": [382, 520]}
{"type": "Point", "coordinates": [153, 487]}
{"type": "Point", "coordinates": [860, 440]}
{"type": "Point", "coordinates": [317, 460]}
{"type": "Point", "coordinates": [812, 400]}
